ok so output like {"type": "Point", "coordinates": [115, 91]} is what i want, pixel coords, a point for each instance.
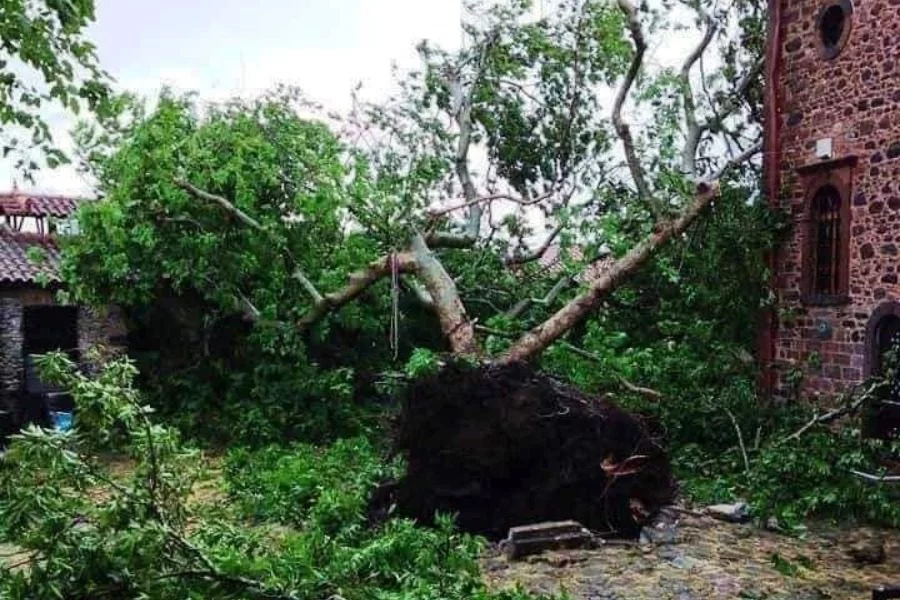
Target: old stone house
{"type": "Point", "coordinates": [832, 165]}
{"type": "Point", "coordinates": [31, 320]}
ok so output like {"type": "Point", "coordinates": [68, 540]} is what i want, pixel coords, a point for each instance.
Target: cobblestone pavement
{"type": "Point", "coordinates": [708, 559]}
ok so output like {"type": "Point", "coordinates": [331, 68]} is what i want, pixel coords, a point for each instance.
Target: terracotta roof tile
{"type": "Point", "coordinates": [15, 265]}
{"type": "Point", "coordinates": [22, 204]}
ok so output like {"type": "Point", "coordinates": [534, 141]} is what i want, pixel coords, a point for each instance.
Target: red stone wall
{"type": "Point", "coordinates": [854, 99]}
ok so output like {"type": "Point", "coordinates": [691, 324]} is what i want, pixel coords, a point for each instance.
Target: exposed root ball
{"type": "Point", "coordinates": [500, 446]}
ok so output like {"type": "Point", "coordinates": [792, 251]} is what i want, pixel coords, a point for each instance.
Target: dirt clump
{"type": "Point", "coordinates": [504, 445]}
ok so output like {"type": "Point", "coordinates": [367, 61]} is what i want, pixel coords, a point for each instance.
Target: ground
{"type": "Point", "coordinates": [700, 559]}
{"type": "Point", "coordinates": [709, 559]}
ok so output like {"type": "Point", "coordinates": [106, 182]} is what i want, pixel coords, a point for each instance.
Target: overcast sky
{"type": "Point", "coordinates": [222, 48]}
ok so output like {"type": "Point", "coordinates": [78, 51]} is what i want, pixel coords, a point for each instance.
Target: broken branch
{"type": "Point", "coordinates": [542, 336]}
{"type": "Point", "coordinates": [833, 415]}
{"type": "Point", "coordinates": [740, 438]}
{"type": "Point", "coordinates": [877, 478]}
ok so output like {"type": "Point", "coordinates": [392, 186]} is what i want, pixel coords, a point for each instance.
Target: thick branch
{"type": "Point", "coordinates": [358, 283]}
{"type": "Point", "coordinates": [542, 336]}
{"type": "Point", "coordinates": [253, 223]}
{"type": "Point", "coordinates": [462, 113]}
{"type": "Point", "coordinates": [694, 130]}
{"type": "Point", "coordinates": [455, 324]}
{"type": "Point", "coordinates": [622, 128]}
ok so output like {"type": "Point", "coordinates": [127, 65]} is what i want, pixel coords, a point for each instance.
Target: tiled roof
{"type": "Point", "coordinates": [551, 261]}
{"type": "Point", "coordinates": [23, 204]}
{"type": "Point", "coordinates": [15, 264]}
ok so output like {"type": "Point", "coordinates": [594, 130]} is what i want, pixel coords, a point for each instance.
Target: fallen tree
{"type": "Point", "coordinates": [277, 218]}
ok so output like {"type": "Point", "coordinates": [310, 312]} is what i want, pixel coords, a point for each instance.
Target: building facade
{"type": "Point", "coordinates": [31, 320]}
{"type": "Point", "coordinates": [832, 166]}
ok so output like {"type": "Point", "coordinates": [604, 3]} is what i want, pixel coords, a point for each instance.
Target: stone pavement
{"type": "Point", "coordinates": [708, 559]}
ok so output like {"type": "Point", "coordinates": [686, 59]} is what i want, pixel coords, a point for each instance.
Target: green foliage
{"type": "Point", "coordinates": [213, 302]}
{"type": "Point", "coordinates": [86, 528]}
{"type": "Point", "coordinates": [303, 485]}
{"type": "Point", "coordinates": [321, 493]}
{"type": "Point", "coordinates": [422, 362]}
{"type": "Point", "coordinates": [45, 60]}
{"type": "Point", "coordinates": [86, 531]}
{"type": "Point", "coordinates": [818, 467]}
{"type": "Point", "coordinates": [686, 327]}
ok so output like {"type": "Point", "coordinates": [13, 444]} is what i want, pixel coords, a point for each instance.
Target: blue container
{"type": "Point", "coordinates": [62, 421]}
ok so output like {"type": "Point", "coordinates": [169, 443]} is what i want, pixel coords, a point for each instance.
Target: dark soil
{"type": "Point", "coordinates": [500, 446]}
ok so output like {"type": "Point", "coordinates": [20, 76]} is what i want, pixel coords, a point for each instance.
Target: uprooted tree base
{"type": "Point", "coordinates": [502, 445]}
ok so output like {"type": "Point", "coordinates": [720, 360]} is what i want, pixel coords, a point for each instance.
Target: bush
{"type": "Point", "coordinates": [322, 493]}
{"type": "Point", "coordinates": [304, 485]}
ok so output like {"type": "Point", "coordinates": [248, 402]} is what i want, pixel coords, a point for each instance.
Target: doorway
{"type": "Point", "coordinates": [48, 329]}
{"type": "Point", "coordinates": [883, 341]}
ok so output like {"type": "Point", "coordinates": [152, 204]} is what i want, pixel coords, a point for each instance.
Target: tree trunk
{"type": "Point", "coordinates": [451, 313]}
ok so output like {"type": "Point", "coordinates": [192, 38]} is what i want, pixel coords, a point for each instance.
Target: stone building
{"type": "Point", "coordinates": [832, 165]}
{"type": "Point", "coordinates": [31, 320]}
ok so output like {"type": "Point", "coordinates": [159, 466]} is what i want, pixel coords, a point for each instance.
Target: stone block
{"type": "Point", "coordinates": [540, 537]}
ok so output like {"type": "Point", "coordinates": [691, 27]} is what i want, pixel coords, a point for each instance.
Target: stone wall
{"type": "Point", "coordinates": [11, 359]}
{"type": "Point", "coordinates": [853, 99]}
{"type": "Point", "coordinates": [95, 328]}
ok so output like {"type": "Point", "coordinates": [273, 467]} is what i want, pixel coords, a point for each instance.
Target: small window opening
{"type": "Point", "coordinates": [832, 26]}
{"type": "Point", "coordinates": [826, 212]}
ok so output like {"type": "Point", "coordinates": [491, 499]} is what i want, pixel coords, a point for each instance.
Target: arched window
{"type": "Point", "coordinates": [825, 212]}
{"type": "Point", "coordinates": [825, 272]}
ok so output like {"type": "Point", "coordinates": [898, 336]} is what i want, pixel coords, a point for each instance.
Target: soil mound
{"type": "Point", "coordinates": [501, 446]}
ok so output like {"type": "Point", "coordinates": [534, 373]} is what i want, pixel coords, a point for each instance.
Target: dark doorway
{"type": "Point", "coordinates": [884, 422]}
{"type": "Point", "coordinates": [48, 329]}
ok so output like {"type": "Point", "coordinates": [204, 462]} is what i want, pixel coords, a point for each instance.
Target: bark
{"type": "Point", "coordinates": [542, 336]}
{"type": "Point", "coordinates": [451, 313]}
{"type": "Point", "coordinates": [358, 283]}
{"type": "Point", "coordinates": [623, 130]}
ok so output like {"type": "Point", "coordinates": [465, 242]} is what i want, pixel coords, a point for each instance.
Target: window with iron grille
{"type": "Point", "coordinates": [826, 215]}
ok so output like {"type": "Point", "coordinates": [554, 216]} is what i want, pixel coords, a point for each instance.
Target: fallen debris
{"type": "Point", "coordinates": [739, 512]}
{"type": "Point", "coordinates": [534, 539]}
